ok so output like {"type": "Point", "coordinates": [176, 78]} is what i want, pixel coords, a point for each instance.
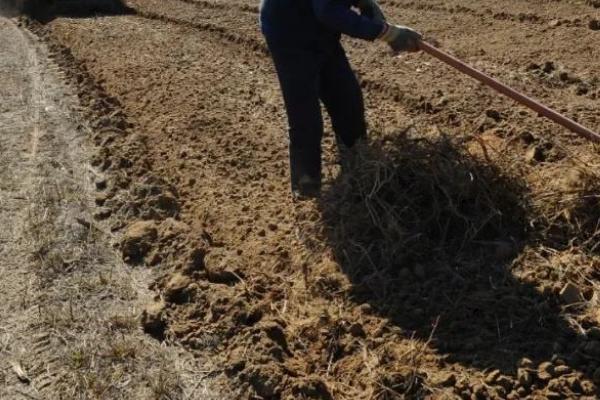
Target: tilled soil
{"type": "Point", "coordinates": [459, 259]}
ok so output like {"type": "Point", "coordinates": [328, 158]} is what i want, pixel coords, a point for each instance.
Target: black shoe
{"type": "Point", "coordinates": [306, 188]}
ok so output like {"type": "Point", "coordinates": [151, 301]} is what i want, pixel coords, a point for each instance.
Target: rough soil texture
{"type": "Point", "coordinates": [460, 259]}
{"type": "Point", "coordinates": [69, 307]}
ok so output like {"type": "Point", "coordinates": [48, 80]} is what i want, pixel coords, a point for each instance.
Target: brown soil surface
{"type": "Point", "coordinates": [459, 260]}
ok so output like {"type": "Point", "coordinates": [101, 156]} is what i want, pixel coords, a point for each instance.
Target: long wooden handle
{"type": "Point", "coordinates": [510, 92]}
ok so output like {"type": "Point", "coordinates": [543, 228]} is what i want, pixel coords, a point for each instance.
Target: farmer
{"type": "Point", "coordinates": [303, 37]}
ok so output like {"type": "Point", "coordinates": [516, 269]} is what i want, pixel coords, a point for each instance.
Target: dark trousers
{"type": "Point", "coordinates": [308, 75]}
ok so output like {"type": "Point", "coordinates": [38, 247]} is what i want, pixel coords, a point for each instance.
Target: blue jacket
{"type": "Point", "coordinates": [301, 22]}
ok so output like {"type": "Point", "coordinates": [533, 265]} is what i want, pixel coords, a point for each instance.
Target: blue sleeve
{"type": "Point", "coordinates": [337, 16]}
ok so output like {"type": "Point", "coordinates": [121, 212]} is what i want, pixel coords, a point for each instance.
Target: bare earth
{"type": "Point", "coordinates": [460, 259]}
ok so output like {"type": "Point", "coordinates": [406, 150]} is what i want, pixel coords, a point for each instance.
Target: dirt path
{"type": "Point", "coordinates": [17, 160]}
{"type": "Point", "coordinates": [69, 308]}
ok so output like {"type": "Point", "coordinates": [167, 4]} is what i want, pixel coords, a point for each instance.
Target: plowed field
{"type": "Point", "coordinates": [461, 257]}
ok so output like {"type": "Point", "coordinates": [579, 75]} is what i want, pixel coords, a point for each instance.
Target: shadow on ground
{"type": "Point", "coordinates": [429, 237]}
{"type": "Point", "coordinates": [47, 10]}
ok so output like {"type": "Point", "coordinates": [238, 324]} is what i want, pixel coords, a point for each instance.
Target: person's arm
{"type": "Point", "coordinates": [370, 9]}
{"type": "Point", "coordinates": [337, 16]}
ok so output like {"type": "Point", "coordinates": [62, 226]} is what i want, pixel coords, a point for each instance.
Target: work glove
{"type": "Point", "coordinates": [400, 38]}
{"type": "Point", "coordinates": [371, 10]}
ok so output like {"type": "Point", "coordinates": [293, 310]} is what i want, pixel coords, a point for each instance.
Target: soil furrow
{"type": "Point", "coordinates": [244, 7]}
{"type": "Point", "coordinates": [223, 32]}
{"type": "Point", "coordinates": [529, 15]}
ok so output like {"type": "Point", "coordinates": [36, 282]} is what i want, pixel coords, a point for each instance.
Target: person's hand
{"type": "Point", "coordinates": [370, 9]}
{"type": "Point", "coordinates": [401, 38]}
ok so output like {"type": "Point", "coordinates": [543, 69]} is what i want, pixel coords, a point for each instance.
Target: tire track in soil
{"type": "Point", "coordinates": [39, 99]}
{"type": "Point", "coordinates": [58, 328]}
{"type": "Point", "coordinates": [18, 289]}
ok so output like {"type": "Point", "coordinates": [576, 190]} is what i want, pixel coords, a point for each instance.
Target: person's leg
{"type": "Point", "coordinates": [342, 96]}
{"type": "Point", "coordinates": [298, 72]}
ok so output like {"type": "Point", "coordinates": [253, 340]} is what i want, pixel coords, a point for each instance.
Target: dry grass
{"type": "Point", "coordinates": [88, 304]}
{"type": "Point", "coordinates": [415, 200]}
{"type": "Point", "coordinates": [431, 230]}
{"type": "Point", "coordinates": [422, 198]}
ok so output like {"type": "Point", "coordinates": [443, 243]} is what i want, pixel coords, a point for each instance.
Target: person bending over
{"type": "Point", "coordinates": [303, 37]}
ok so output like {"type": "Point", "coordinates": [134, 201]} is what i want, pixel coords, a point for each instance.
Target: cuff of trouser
{"type": "Point", "coordinates": [387, 34]}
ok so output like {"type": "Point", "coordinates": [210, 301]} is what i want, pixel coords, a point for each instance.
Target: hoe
{"type": "Point", "coordinates": [510, 92]}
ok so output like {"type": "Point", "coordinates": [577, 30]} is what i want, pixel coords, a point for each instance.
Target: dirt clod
{"type": "Point", "coordinates": [505, 383]}
{"type": "Point", "coordinates": [357, 330]}
{"type": "Point", "coordinates": [545, 371]}
{"type": "Point", "coordinates": [275, 332]}
{"type": "Point", "coordinates": [562, 370]}
{"type": "Point", "coordinates": [154, 320]}
{"type": "Point", "coordinates": [571, 294]}
{"type": "Point", "coordinates": [535, 154]}
{"type": "Point", "coordinates": [311, 388]}
{"type": "Point", "coordinates": [491, 378]}
{"type": "Point", "coordinates": [524, 377]}
{"type": "Point", "coordinates": [548, 67]}
{"type": "Point", "coordinates": [171, 228]}
{"type": "Point", "coordinates": [555, 22]}
{"type": "Point", "coordinates": [445, 380]}
{"type": "Point", "coordinates": [102, 214]}
{"type": "Point", "coordinates": [525, 363]}
{"type": "Point", "coordinates": [101, 198]}
{"type": "Point", "coordinates": [553, 395]}
{"type": "Point", "coordinates": [138, 240]}
{"type": "Point", "coordinates": [266, 380]}
{"type": "Point", "coordinates": [223, 266]}
{"type": "Point", "coordinates": [101, 184]}
{"type": "Point", "coordinates": [176, 290]}
{"type": "Point", "coordinates": [527, 137]}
